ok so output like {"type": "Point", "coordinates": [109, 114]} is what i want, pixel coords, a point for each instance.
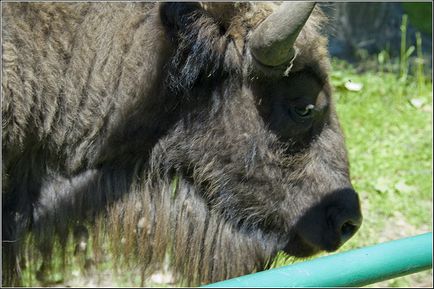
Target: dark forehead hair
{"type": "Point", "coordinates": [202, 40]}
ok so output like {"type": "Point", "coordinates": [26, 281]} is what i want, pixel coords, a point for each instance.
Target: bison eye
{"type": "Point", "coordinates": [301, 114]}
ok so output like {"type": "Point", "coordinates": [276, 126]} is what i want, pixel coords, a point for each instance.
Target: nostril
{"type": "Point", "coordinates": [347, 230]}
{"type": "Point", "coordinates": [344, 216]}
{"type": "Point", "coordinates": [344, 224]}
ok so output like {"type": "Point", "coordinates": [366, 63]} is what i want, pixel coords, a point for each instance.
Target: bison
{"type": "Point", "coordinates": [204, 133]}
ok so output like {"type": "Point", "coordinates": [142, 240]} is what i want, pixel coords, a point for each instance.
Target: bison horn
{"type": "Point", "coordinates": [272, 42]}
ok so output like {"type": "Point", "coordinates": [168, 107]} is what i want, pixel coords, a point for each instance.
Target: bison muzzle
{"type": "Point", "coordinates": [202, 132]}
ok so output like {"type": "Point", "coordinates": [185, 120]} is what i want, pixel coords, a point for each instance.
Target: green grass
{"type": "Point", "coordinates": [388, 129]}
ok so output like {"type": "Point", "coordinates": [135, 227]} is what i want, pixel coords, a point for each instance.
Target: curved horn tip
{"type": "Point", "coordinates": [272, 42]}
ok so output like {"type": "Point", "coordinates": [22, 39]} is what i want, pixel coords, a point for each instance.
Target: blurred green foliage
{"type": "Point", "coordinates": [420, 15]}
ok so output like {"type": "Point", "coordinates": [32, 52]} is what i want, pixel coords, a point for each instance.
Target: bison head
{"type": "Point", "coordinates": [208, 130]}
{"type": "Point", "coordinates": [260, 149]}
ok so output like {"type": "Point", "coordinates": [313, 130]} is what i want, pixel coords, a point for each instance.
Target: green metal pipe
{"type": "Point", "coordinates": [353, 268]}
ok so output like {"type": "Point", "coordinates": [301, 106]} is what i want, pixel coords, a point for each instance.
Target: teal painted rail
{"type": "Point", "coordinates": [353, 268]}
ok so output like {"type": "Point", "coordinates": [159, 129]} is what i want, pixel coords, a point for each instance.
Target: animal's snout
{"type": "Point", "coordinates": [343, 219]}
{"type": "Point", "coordinates": [331, 223]}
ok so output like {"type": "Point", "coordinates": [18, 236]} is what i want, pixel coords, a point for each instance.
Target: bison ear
{"type": "Point", "coordinates": [198, 44]}
{"type": "Point", "coordinates": [177, 16]}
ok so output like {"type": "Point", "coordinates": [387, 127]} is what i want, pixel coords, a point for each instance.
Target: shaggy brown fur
{"type": "Point", "coordinates": [153, 122]}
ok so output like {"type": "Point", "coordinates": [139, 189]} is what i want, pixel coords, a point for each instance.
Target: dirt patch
{"type": "Point", "coordinates": [107, 278]}
{"type": "Point", "coordinates": [398, 228]}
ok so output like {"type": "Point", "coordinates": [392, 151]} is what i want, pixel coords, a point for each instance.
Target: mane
{"type": "Point", "coordinates": [161, 218]}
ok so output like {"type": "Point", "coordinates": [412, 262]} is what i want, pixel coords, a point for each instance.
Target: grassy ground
{"type": "Point", "coordinates": [388, 127]}
{"type": "Point", "coordinates": [387, 121]}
